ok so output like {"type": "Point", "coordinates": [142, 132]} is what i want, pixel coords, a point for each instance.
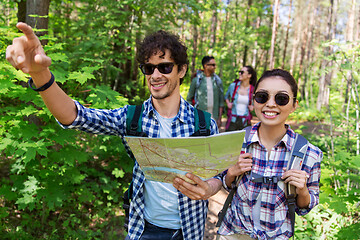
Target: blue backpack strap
{"type": "Point", "coordinates": [298, 152]}
{"type": "Point", "coordinates": [297, 157]}
{"type": "Point", "coordinates": [247, 133]}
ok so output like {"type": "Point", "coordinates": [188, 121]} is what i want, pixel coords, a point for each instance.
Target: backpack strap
{"type": "Point", "coordinates": [202, 123]}
{"type": "Point", "coordinates": [234, 185]}
{"type": "Point", "coordinates": [134, 121]}
{"type": "Point", "coordinates": [297, 156]}
{"type": "Point", "coordinates": [133, 128]}
{"type": "Point", "coordinates": [237, 85]}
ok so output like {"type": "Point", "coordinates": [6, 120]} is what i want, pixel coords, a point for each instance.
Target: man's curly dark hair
{"type": "Point", "coordinates": [160, 41]}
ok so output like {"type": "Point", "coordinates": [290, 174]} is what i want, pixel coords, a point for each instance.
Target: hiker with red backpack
{"type": "Point", "coordinates": [238, 99]}
{"type": "Point", "coordinates": [278, 171]}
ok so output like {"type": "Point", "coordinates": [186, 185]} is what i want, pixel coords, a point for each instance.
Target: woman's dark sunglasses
{"type": "Point", "coordinates": [281, 99]}
{"type": "Point", "coordinates": [164, 68]}
{"type": "Point", "coordinates": [241, 72]}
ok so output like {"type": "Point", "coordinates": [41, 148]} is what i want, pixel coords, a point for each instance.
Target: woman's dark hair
{"type": "Point", "coordinates": [253, 78]}
{"type": "Point", "coordinates": [206, 59]}
{"type": "Point", "coordinates": [285, 75]}
{"type": "Point", "coordinates": [160, 41]}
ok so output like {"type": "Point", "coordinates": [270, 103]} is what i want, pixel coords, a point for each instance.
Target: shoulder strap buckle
{"type": "Point", "coordinates": [202, 123]}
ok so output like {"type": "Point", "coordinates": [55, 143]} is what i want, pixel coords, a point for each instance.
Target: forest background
{"type": "Point", "coordinates": [58, 184]}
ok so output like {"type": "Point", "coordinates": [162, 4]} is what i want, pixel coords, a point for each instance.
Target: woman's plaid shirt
{"type": "Point", "coordinates": [274, 220]}
{"type": "Point", "coordinates": [113, 122]}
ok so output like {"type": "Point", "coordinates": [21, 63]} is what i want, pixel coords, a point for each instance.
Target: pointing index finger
{"type": "Point", "coordinates": [27, 30]}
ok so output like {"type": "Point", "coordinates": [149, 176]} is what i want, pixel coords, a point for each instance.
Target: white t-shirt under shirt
{"type": "Point", "coordinates": [210, 95]}
{"type": "Point", "coordinates": [242, 105]}
{"type": "Point", "coordinates": [161, 199]}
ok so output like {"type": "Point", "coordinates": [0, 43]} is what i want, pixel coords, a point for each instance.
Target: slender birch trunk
{"type": "Point", "coordinates": [273, 35]}
{"type": "Point", "coordinates": [287, 34]}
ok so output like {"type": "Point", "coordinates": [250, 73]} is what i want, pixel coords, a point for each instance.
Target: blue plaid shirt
{"type": "Point", "coordinates": [274, 220]}
{"type": "Point", "coordinates": [113, 122]}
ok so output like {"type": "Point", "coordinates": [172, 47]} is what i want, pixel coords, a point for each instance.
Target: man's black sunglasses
{"type": "Point", "coordinates": [164, 68]}
{"type": "Point", "coordinates": [281, 99]}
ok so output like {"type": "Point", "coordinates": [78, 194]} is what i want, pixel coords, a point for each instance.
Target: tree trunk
{"type": "Point", "coordinates": [350, 26]}
{"type": "Point", "coordinates": [40, 22]}
{"type": "Point", "coordinates": [355, 96]}
{"type": "Point", "coordinates": [224, 40]}
{"type": "Point", "coordinates": [325, 79]}
{"type": "Point", "coordinates": [21, 14]}
{"type": "Point", "coordinates": [357, 35]}
{"type": "Point", "coordinates": [305, 90]}
{"type": "Point", "coordinates": [350, 38]}
{"type": "Point", "coordinates": [247, 25]}
{"type": "Point", "coordinates": [357, 121]}
{"type": "Point", "coordinates": [266, 63]}
{"type": "Point", "coordinates": [297, 34]}
{"type": "Point", "coordinates": [122, 77]}
{"type": "Point", "coordinates": [214, 25]}
{"type": "Point", "coordinates": [273, 36]}
{"type": "Point", "coordinates": [135, 70]}
{"type": "Point", "coordinates": [202, 36]}
{"type": "Point", "coordinates": [255, 51]}
{"type": "Point", "coordinates": [304, 43]}
{"type": "Point", "coordinates": [287, 34]}
{"type": "Point", "coordinates": [195, 42]}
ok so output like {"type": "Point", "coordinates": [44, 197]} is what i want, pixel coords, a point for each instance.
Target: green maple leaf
{"type": "Point", "coordinates": [28, 111]}
{"type": "Point", "coordinates": [31, 185]}
{"type": "Point", "coordinates": [29, 155]}
{"type": "Point", "coordinates": [81, 77]}
{"type": "Point", "coordinates": [26, 201]}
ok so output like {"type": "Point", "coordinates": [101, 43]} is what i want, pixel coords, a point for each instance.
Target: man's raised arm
{"type": "Point", "coordinates": [26, 54]}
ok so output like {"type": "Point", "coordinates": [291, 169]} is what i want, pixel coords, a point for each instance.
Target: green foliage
{"type": "Point", "coordinates": [350, 232]}
{"type": "Point", "coordinates": [304, 113]}
{"type": "Point", "coordinates": [56, 183]}
{"type": "Point", "coordinates": [62, 184]}
{"type": "Point", "coordinates": [321, 223]}
{"type": "Point", "coordinates": [340, 167]}
{"type": "Point", "coordinates": [335, 133]}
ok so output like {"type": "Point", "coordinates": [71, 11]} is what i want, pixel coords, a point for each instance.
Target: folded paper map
{"type": "Point", "coordinates": [163, 159]}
